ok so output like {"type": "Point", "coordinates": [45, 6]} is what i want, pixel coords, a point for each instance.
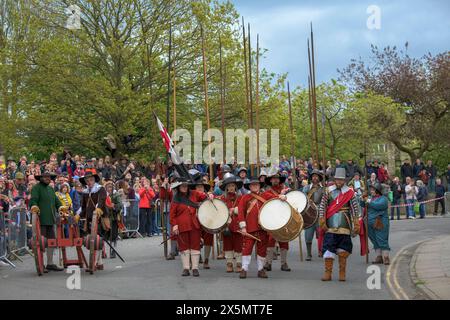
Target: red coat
{"type": "Point", "coordinates": [250, 218]}
{"type": "Point", "coordinates": [270, 194]}
{"type": "Point", "coordinates": [185, 217]}
{"type": "Point", "coordinates": [145, 197]}
{"type": "Point", "coordinates": [165, 194]}
{"type": "Point", "coordinates": [232, 202]}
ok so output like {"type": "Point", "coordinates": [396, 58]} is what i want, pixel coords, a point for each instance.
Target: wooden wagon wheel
{"type": "Point", "coordinates": [38, 244]}
{"type": "Point", "coordinates": [93, 243]}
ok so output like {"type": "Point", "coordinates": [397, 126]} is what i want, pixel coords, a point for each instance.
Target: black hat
{"type": "Point", "coordinates": [206, 185]}
{"type": "Point", "coordinates": [46, 174]}
{"type": "Point", "coordinates": [318, 173]}
{"type": "Point", "coordinates": [230, 178]}
{"type": "Point", "coordinates": [274, 173]}
{"type": "Point", "coordinates": [88, 175]}
{"type": "Point", "coordinates": [250, 181]}
{"type": "Point", "coordinates": [179, 181]}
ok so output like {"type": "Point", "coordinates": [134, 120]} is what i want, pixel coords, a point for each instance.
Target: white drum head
{"type": "Point", "coordinates": [297, 200]}
{"type": "Point", "coordinates": [274, 215]}
{"type": "Point", "coordinates": [210, 217]}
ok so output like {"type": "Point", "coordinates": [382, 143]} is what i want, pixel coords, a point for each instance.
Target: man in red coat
{"type": "Point", "coordinates": [276, 189]}
{"type": "Point", "coordinates": [248, 214]}
{"type": "Point", "coordinates": [185, 224]}
{"type": "Point", "coordinates": [232, 239]}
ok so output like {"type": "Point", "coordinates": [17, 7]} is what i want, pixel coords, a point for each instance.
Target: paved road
{"type": "Point", "coordinates": [146, 275]}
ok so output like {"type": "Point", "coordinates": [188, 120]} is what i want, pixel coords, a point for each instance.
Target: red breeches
{"type": "Point", "coordinates": [248, 243]}
{"type": "Point", "coordinates": [233, 242]}
{"type": "Point", "coordinates": [189, 240]}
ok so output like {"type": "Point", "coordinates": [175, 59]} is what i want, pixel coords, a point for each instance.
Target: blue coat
{"type": "Point", "coordinates": [378, 207]}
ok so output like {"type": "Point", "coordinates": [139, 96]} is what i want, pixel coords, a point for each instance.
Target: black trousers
{"type": "Point", "coordinates": [436, 206]}
{"type": "Point", "coordinates": [145, 219]}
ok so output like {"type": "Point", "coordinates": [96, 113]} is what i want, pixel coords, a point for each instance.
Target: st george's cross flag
{"type": "Point", "coordinates": [180, 167]}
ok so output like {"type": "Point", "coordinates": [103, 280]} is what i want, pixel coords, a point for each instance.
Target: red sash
{"type": "Point", "coordinates": [339, 202]}
{"type": "Point", "coordinates": [332, 209]}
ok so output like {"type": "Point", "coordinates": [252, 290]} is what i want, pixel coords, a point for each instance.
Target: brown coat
{"type": "Point", "coordinates": [98, 200]}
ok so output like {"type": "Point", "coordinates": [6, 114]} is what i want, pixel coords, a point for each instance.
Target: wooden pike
{"type": "Point", "coordinates": [168, 81]}
{"type": "Point", "coordinates": [310, 116]}
{"type": "Point", "coordinates": [222, 98]}
{"type": "Point", "coordinates": [205, 78]}
{"type": "Point", "coordinates": [252, 168]}
{"type": "Point", "coordinates": [258, 160]}
{"type": "Point", "coordinates": [246, 74]}
{"type": "Point", "coordinates": [314, 100]}
{"type": "Point", "coordinates": [291, 129]}
{"type": "Point", "coordinates": [174, 99]}
{"type": "Point", "coordinates": [205, 82]}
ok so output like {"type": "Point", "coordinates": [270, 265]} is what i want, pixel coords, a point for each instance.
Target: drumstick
{"type": "Point", "coordinates": [249, 235]}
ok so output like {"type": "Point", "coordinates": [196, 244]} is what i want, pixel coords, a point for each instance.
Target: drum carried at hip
{"type": "Point", "coordinates": [281, 220]}
{"type": "Point", "coordinates": [284, 220]}
{"type": "Point", "coordinates": [213, 216]}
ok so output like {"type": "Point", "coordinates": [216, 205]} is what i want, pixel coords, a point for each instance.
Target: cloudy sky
{"type": "Point", "coordinates": [341, 32]}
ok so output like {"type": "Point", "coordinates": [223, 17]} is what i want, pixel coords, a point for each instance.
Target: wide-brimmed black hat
{"type": "Point", "coordinates": [230, 178]}
{"type": "Point", "coordinates": [279, 176]}
{"type": "Point", "coordinates": [88, 175]}
{"type": "Point", "coordinates": [46, 174]}
{"type": "Point", "coordinates": [318, 173]}
{"type": "Point", "coordinates": [207, 186]}
{"type": "Point", "coordinates": [250, 181]}
{"type": "Point", "coordinates": [179, 181]}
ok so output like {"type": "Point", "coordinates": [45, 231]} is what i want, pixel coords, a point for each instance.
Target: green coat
{"type": "Point", "coordinates": [45, 198]}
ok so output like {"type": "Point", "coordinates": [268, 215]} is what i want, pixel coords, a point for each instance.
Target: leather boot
{"type": "Point", "coordinates": [243, 274]}
{"type": "Point", "coordinates": [342, 264]}
{"type": "Point", "coordinates": [308, 251]}
{"type": "Point", "coordinates": [262, 274]}
{"type": "Point", "coordinates": [378, 260]}
{"type": "Point", "coordinates": [328, 269]}
{"type": "Point", "coordinates": [268, 266]}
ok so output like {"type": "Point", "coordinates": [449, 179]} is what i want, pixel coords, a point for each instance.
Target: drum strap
{"type": "Point", "coordinates": [255, 201]}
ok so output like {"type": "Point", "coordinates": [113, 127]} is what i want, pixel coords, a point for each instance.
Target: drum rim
{"type": "Point", "coordinates": [306, 197]}
{"type": "Point", "coordinates": [270, 200]}
{"type": "Point", "coordinates": [216, 230]}
{"type": "Point", "coordinates": [317, 216]}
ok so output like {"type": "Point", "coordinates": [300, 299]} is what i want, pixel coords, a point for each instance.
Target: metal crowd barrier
{"type": "Point", "coordinates": [4, 241]}
{"type": "Point", "coordinates": [17, 226]}
{"type": "Point", "coordinates": [130, 214]}
{"type": "Point", "coordinates": [447, 203]}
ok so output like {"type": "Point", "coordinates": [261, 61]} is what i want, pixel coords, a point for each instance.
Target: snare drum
{"type": "Point", "coordinates": [281, 220]}
{"type": "Point", "coordinates": [213, 215]}
{"type": "Point", "coordinates": [306, 207]}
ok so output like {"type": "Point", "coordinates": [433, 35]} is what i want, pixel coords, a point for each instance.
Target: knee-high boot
{"type": "Point", "coordinates": [342, 264]}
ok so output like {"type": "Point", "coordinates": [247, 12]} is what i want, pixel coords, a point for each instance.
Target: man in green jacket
{"type": "Point", "coordinates": [45, 203]}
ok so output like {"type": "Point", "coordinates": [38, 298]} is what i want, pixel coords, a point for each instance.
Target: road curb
{"type": "Point", "coordinates": [391, 274]}
{"type": "Point", "coordinates": [423, 288]}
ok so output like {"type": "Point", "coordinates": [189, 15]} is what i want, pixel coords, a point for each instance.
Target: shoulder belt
{"type": "Point", "coordinates": [253, 202]}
